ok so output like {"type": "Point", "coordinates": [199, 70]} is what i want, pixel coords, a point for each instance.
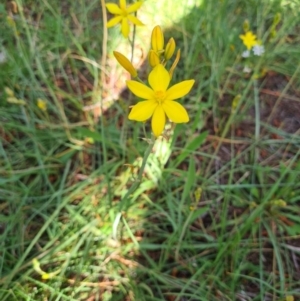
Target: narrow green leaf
{"type": "Point", "coordinates": [192, 146]}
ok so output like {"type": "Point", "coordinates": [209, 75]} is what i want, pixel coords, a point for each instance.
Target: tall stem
{"type": "Point", "coordinates": [138, 180]}
{"type": "Point", "coordinates": [133, 187]}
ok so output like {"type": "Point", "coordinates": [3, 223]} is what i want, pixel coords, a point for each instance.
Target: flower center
{"type": "Point", "coordinates": [160, 96]}
{"type": "Point", "coordinates": [124, 13]}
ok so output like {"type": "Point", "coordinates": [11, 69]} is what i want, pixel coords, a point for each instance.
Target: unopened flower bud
{"type": "Point", "coordinates": [157, 39]}
{"type": "Point", "coordinates": [153, 58]}
{"type": "Point", "coordinates": [125, 63]}
{"type": "Point", "coordinates": [246, 26]}
{"type": "Point", "coordinates": [170, 49]}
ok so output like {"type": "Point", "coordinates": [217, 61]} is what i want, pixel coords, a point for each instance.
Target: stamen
{"type": "Point", "coordinates": [160, 95]}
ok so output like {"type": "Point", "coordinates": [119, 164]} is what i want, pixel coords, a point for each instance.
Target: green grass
{"type": "Point", "coordinates": [216, 215]}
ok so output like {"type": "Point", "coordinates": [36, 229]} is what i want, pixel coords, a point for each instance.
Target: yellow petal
{"type": "Point", "coordinates": [180, 89]}
{"type": "Point", "coordinates": [123, 5]}
{"type": "Point", "coordinates": [140, 90]}
{"type": "Point", "coordinates": [175, 111]}
{"type": "Point", "coordinates": [158, 121]}
{"type": "Point", "coordinates": [142, 110]}
{"type": "Point", "coordinates": [134, 7]}
{"type": "Point", "coordinates": [125, 28]}
{"type": "Point", "coordinates": [159, 78]}
{"type": "Point", "coordinates": [113, 8]}
{"type": "Point", "coordinates": [125, 63]}
{"type": "Point", "coordinates": [135, 20]}
{"type": "Point", "coordinates": [114, 21]}
{"type": "Point", "coordinates": [157, 39]}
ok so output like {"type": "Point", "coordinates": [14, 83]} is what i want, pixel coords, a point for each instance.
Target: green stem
{"type": "Point", "coordinates": [257, 118]}
{"type": "Point", "coordinates": [133, 39]}
{"type": "Point", "coordinates": [133, 188]}
{"type": "Point", "coordinates": [138, 181]}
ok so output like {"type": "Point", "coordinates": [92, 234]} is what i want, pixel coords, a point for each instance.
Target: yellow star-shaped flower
{"type": "Point", "coordinates": [159, 101]}
{"type": "Point", "coordinates": [123, 15]}
{"type": "Point", "coordinates": [42, 104]}
{"type": "Point", "coordinates": [249, 39]}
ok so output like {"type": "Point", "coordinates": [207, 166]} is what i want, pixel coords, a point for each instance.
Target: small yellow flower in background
{"type": "Point", "coordinates": [252, 44]}
{"type": "Point", "coordinates": [249, 39]}
{"type": "Point", "coordinates": [125, 63]}
{"type": "Point", "coordinates": [123, 15]}
{"type": "Point", "coordinates": [42, 104]}
{"type": "Point", "coordinates": [159, 100]}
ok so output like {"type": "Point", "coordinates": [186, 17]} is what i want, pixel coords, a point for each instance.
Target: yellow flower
{"type": "Point", "coordinates": [249, 39]}
{"type": "Point", "coordinates": [123, 15]}
{"type": "Point", "coordinates": [125, 63]}
{"type": "Point", "coordinates": [159, 99]}
{"type": "Point", "coordinates": [42, 104]}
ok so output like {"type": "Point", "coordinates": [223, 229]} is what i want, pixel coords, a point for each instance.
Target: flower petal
{"type": "Point", "coordinates": [180, 89]}
{"type": "Point", "coordinates": [113, 8]}
{"type": "Point", "coordinates": [134, 7]}
{"type": "Point", "coordinates": [123, 4]}
{"type": "Point", "coordinates": [142, 110]}
{"type": "Point", "coordinates": [125, 28]}
{"type": "Point", "coordinates": [159, 78]}
{"type": "Point", "coordinates": [114, 21]}
{"type": "Point", "coordinates": [175, 111]}
{"type": "Point", "coordinates": [140, 90]}
{"type": "Point", "coordinates": [158, 121]}
{"type": "Point", "coordinates": [135, 20]}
